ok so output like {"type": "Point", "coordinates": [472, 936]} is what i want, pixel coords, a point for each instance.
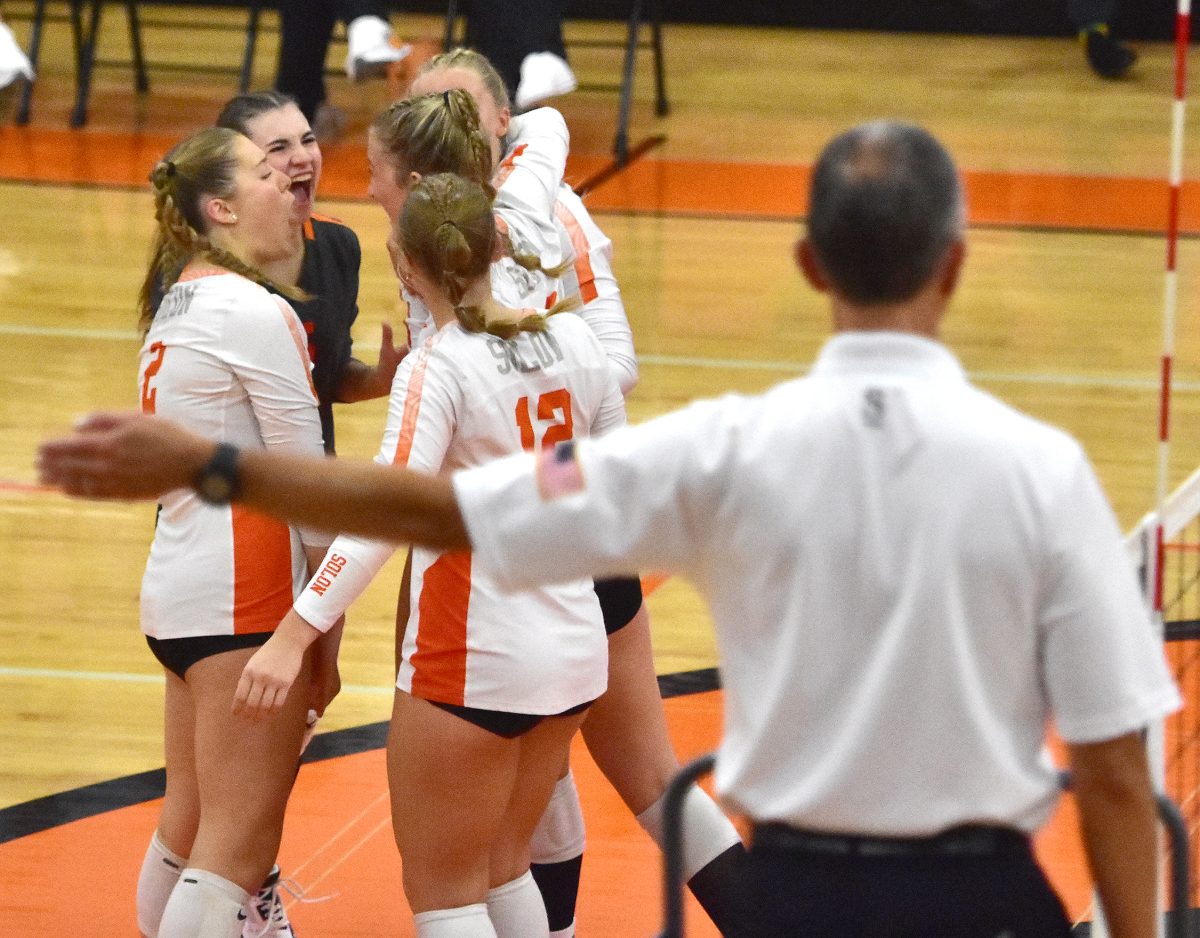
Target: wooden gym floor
{"type": "Point", "coordinates": [1059, 313]}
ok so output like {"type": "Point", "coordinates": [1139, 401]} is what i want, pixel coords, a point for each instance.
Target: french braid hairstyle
{"type": "Point", "coordinates": [203, 165]}
{"type": "Point", "coordinates": [440, 133]}
{"type": "Point", "coordinates": [447, 228]}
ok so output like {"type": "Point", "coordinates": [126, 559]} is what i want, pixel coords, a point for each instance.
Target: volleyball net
{"type": "Point", "coordinates": [1181, 625]}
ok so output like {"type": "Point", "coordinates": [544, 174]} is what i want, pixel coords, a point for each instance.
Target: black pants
{"type": "Point", "coordinates": [1086, 13]}
{"type": "Point", "coordinates": [508, 30]}
{"type": "Point", "coordinates": [305, 28]}
{"type": "Point", "coordinates": [797, 893]}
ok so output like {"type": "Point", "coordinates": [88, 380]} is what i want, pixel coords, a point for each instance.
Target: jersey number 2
{"type": "Point", "coordinates": [149, 394]}
{"type": "Point", "coordinates": [552, 406]}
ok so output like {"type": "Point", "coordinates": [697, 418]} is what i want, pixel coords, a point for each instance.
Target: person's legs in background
{"type": "Point", "coordinates": [523, 39]}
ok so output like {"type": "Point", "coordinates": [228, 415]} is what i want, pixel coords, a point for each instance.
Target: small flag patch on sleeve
{"type": "Point", "coordinates": [558, 471]}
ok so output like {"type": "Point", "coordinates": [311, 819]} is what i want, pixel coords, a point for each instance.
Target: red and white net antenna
{"type": "Point", "coordinates": [1183, 29]}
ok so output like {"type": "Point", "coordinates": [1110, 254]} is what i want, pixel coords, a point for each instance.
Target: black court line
{"type": "Point", "coordinates": [1184, 630]}
{"type": "Point", "coordinates": [613, 168]}
{"type": "Point", "coordinates": [42, 814]}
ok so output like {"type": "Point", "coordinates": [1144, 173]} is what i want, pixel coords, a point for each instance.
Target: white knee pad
{"type": "Point", "coordinates": [516, 909]}
{"type": "Point", "coordinates": [559, 835]}
{"type": "Point", "coordinates": [204, 905]}
{"type": "Point", "coordinates": [160, 873]}
{"type": "Point", "coordinates": [707, 832]}
{"type": "Point", "coordinates": [468, 921]}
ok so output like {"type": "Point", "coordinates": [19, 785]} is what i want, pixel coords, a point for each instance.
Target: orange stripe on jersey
{"type": "Point", "coordinates": [412, 409]}
{"type": "Point", "coordinates": [262, 571]}
{"type": "Point", "coordinates": [301, 339]}
{"type": "Point", "coordinates": [309, 234]}
{"type": "Point", "coordinates": [507, 165]}
{"type": "Point", "coordinates": [326, 218]}
{"type": "Point", "coordinates": [583, 257]}
{"type": "Point", "coordinates": [440, 661]}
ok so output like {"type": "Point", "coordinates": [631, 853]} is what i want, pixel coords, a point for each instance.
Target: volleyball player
{"type": "Point", "coordinates": [492, 684]}
{"type": "Point", "coordinates": [225, 357]}
{"type": "Point", "coordinates": [626, 731]}
{"type": "Point", "coordinates": [327, 266]}
{"type": "Point", "coordinates": [324, 263]}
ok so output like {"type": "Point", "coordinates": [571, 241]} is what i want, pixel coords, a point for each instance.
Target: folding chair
{"type": "Point", "coordinates": [85, 28]}
{"type": "Point", "coordinates": [637, 14]}
{"type": "Point", "coordinates": [1178, 920]}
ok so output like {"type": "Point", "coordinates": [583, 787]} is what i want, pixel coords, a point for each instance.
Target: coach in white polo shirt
{"type": "Point", "coordinates": [908, 580]}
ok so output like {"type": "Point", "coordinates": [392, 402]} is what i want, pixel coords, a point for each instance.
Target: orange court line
{"type": "Point", "coordinates": [660, 186]}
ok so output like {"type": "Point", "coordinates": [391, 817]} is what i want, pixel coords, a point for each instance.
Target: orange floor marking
{"type": "Point", "coordinates": [753, 190]}
{"type": "Point", "coordinates": [338, 843]}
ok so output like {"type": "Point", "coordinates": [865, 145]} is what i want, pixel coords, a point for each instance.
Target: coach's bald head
{"type": "Point", "coordinates": [885, 223]}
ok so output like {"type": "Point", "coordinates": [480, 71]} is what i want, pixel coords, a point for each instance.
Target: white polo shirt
{"type": "Point", "coordinates": [908, 579]}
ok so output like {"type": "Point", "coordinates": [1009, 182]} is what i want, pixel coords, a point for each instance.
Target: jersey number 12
{"type": "Point", "coordinates": [553, 407]}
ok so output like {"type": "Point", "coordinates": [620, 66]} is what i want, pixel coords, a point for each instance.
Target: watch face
{"type": "Point", "coordinates": [215, 487]}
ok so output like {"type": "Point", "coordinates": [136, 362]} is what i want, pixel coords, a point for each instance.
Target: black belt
{"type": "Point", "coordinates": [970, 840]}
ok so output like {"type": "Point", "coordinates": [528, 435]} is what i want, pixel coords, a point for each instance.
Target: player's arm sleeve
{"type": "Point", "coordinates": [418, 431]}
{"type": "Point", "coordinates": [269, 355]}
{"type": "Point", "coordinates": [603, 309]}
{"type": "Point", "coordinates": [638, 498]}
{"type": "Point", "coordinates": [527, 182]}
{"type": "Point", "coordinates": [350, 565]}
{"type": "Point", "coordinates": [1105, 672]}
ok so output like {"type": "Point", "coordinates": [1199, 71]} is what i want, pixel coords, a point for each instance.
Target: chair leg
{"type": "Point", "coordinates": [251, 44]}
{"type": "Point", "coordinates": [141, 81]}
{"type": "Point", "coordinates": [451, 18]}
{"type": "Point", "coordinates": [85, 59]}
{"type": "Point", "coordinates": [661, 106]}
{"type": "Point", "coordinates": [25, 105]}
{"type": "Point", "coordinates": [621, 143]}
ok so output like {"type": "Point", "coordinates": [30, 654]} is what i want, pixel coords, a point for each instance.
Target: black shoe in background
{"type": "Point", "coordinates": [1107, 57]}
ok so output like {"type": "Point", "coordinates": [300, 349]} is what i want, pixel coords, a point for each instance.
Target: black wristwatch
{"type": "Point", "coordinates": [217, 482]}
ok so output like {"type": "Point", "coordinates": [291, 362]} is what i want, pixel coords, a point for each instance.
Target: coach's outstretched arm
{"type": "Point", "coordinates": [136, 456]}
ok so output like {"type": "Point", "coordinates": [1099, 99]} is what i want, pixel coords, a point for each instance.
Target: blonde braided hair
{"type": "Point", "coordinates": [447, 228]}
{"type": "Point", "coordinates": [203, 165]}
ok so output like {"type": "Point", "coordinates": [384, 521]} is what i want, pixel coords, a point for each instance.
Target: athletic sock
{"type": "Point", "coordinates": [467, 921]}
{"type": "Point", "coordinates": [556, 850]}
{"type": "Point", "coordinates": [160, 872]}
{"type": "Point", "coordinates": [516, 909]}
{"type": "Point", "coordinates": [714, 886]}
{"type": "Point", "coordinates": [711, 850]}
{"type": "Point", "coordinates": [559, 885]}
{"type": "Point", "coordinates": [203, 905]}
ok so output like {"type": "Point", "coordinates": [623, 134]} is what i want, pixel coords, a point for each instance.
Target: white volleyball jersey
{"type": "Point", "coordinates": [527, 184]}
{"type": "Point", "coordinates": [462, 400]}
{"type": "Point", "coordinates": [227, 360]}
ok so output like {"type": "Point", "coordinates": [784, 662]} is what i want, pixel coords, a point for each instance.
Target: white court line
{"type": "Point", "coordinates": [126, 677]}
{"type": "Point", "coordinates": [386, 822]}
{"type": "Point", "coordinates": [107, 335]}
{"type": "Point", "coordinates": [682, 361]}
{"type": "Point", "coordinates": [345, 830]}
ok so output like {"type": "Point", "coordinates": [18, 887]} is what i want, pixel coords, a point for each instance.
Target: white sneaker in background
{"type": "Point", "coordinates": [14, 63]}
{"type": "Point", "coordinates": [543, 75]}
{"type": "Point", "coordinates": [369, 48]}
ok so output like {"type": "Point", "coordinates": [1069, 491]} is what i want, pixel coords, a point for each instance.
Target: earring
{"type": "Point", "coordinates": [232, 218]}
